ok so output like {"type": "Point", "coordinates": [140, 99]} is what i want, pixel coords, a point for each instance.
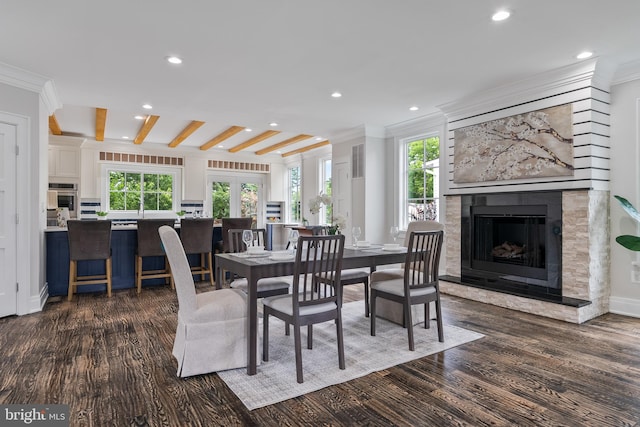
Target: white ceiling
{"type": "Point", "coordinates": [248, 63]}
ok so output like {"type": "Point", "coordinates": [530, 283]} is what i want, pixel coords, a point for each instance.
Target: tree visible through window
{"type": "Point", "coordinates": [129, 191]}
{"type": "Point", "coordinates": [422, 178]}
{"type": "Point", "coordinates": [294, 194]}
{"type": "Point", "coordinates": [221, 199]}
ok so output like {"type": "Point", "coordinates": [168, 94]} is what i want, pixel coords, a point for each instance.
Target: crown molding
{"type": "Point", "coordinates": [627, 72]}
{"type": "Point", "coordinates": [32, 82]}
{"type": "Point", "coordinates": [416, 126]}
{"type": "Point", "coordinates": [539, 85]}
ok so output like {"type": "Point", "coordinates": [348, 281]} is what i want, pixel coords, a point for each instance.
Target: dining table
{"type": "Point", "coordinates": [257, 266]}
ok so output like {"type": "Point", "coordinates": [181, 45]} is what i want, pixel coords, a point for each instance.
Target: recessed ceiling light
{"type": "Point", "coordinates": [248, 129]}
{"type": "Point", "coordinates": [278, 152]}
{"type": "Point", "coordinates": [414, 108]}
{"type": "Point", "coordinates": [139, 117]}
{"type": "Point", "coordinates": [584, 55]}
{"type": "Point", "coordinates": [174, 60]}
{"type": "Point", "coordinates": [273, 124]}
{"type": "Point", "coordinates": [500, 15]}
{"type": "Point", "coordinates": [147, 106]}
{"type": "Point", "coordinates": [319, 138]}
{"type": "Point", "coordinates": [336, 94]}
{"type": "Point", "coordinates": [125, 137]}
{"type": "Point", "coordinates": [220, 146]}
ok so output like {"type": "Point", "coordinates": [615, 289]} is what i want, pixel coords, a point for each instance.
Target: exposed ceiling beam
{"type": "Point", "coordinates": [284, 143]}
{"type": "Point", "coordinates": [191, 128]}
{"type": "Point", "coordinates": [101, 121]}
{"type": "Point", "coordinates": [254, 140]}
{"type": "Point", "coordinates": [149, 122]}
{"type": "Point", "coordinates": [54, 126]}
{"type": "Point", "coordinates": [307, 148]}
{"type": "Point", "coordinates": [221, 137]}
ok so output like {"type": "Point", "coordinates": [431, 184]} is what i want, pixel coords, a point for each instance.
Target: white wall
{"type": "Point", "coordinates": [625, 181]}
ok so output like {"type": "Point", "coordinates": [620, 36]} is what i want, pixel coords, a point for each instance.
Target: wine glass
{"type": "Point", "coordinates": [247, 237]}
{"type": "Point", "coordinates": [356, 232]}
{"type": "Point", "coordinates": [293, 238]}
{"type": "Point", "coordinates": [394, 231]}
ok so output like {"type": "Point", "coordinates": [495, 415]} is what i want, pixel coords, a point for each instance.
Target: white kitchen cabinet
{"type": "Point", "coordinates": [64, 162]}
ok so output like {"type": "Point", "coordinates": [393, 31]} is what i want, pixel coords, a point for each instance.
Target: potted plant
{"type": "Point", "coordinates": [628, 241]}
{"type": "Point", "coordinates": [102, 214]}
{"type": "Point", "coordinates": [181, 215]}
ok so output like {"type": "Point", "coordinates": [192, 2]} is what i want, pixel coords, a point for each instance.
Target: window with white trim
{"type": "Point", "coordinates": [420, 183]}
{"type": "Point", "coordinates": [294, 193]}
{"type": "Point", "coordinates": [326, 212]}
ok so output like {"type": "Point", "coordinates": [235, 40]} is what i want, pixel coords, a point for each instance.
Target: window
{"type": "Point", "coordinates": [421, 179]}
{"type": "Point", "coordinates": [235, 196]}
{"type": "Point", "coordinates": [131, 189]}
{"type": "Point", "coordinates": [294, 193]}
{"type": "Point", "coordinates": [326, 212]}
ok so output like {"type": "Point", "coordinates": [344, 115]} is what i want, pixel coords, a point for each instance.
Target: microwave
{"type": "Point", "coordinates": [67, 197]}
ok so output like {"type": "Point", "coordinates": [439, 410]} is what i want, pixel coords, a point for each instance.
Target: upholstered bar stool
{"type": "Point", "coordinates": [89, 240]}
{"type": "Point", "coordinates": [197, 238]}
{"type": "Point", "coordinates": [150, 245]}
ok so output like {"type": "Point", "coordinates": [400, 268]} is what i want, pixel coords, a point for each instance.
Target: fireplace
{"type": "Point", "coordinates": [512, 242]}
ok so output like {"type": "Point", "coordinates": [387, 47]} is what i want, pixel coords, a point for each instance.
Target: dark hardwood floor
{"type": "Point", "coordinates": [110, 360]}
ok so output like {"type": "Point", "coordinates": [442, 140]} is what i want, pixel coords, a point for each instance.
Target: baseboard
{"type": "Point", "coordinates": [624, 306]}
{"type": "Point", "coordinates": [37, 302]}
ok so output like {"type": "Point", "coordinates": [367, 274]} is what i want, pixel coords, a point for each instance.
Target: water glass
{"type": "Point", "coordinates": [247, 237]}
{"type": "Point", "coordinates": [395, 232]}
{"type": "Point", "coordinates": [356, 233]}
{"type": "Point", "coordinates": [293, 238]}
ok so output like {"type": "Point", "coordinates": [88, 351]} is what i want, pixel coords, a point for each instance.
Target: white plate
{"type": "Point", "coordinates": [281, 257]}
{"type": "Point", "coordinates": [398, 249]}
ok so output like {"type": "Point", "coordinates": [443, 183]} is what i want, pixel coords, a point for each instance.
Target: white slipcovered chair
{"type": "Point", "coordinates": [212, 326]}
{"type": "Point", "coordinates": [392, 310]}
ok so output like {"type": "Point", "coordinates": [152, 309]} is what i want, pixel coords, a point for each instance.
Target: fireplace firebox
{"type": "Point", "coordinates": [513, 242]}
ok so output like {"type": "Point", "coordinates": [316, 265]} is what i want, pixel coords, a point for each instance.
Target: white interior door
{"type": "Point", "coordinates": [341, 191]}
{"type": "Point", "coordinates": [8, 215]}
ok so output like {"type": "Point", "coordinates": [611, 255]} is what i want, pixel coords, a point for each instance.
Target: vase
{"type": "Point", "coordinates": [62, 215]}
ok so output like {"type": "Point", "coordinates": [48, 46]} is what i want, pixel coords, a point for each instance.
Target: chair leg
{"type": "Point", "coordinates": [298, 346]}
{"type": "Point", "coordinates": [340, 338]}
{"type": "Point", "coordinates": [427, 321]}
{"type": "Point", "coordinates": [108, 268]}
{"type": "Point", "coordinates": [72, 279]}
{"type": "Point", "coordinates": [373, 313]}
{"type": "Point", "coordinates": [366, 297]}
{"type": "Point", "coordinates": [265, 336]}
{"type": "Point", "coordinates": [310, 337]}
{"type": "Point", "coordinates": [210, 268]}
{"type": "Point", "coordinates": [287, 331]}
{"type": "Point", "coordinates": [202, 266]}
{"type": "Point", "coordinates": [439, 320]}
{"type": "Point", "coordinates": [409, 323]}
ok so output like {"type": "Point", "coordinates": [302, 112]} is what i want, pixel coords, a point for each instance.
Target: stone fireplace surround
{"type": "Point", "coordinates": [585, 260]}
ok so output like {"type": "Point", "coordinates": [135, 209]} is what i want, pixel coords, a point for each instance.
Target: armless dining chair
{"type": "Point", "coordinates": [267, 286]}
{"type": "Point", "coordinates": [316, 297]}
{"type": "Point", "coordinates": [211, 334]}
{"type": "Point", "coordinates": [419, 284]}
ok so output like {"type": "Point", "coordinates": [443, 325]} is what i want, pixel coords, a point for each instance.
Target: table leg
{"type": "Point", "coordinates": [252, 333]}
{"type": "Point", "coordinates": [218, 275]}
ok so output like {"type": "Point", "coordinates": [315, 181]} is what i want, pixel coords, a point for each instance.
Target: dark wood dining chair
{"type": "Point", "coordinates": [267, 286]}
{"type": "Point", "coordinates": [419, 284]}
{"type": "Point", "coordinates": [316, 297]}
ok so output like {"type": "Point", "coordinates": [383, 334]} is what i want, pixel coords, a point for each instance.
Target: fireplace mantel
{"type": "Point", "coordinates": [585, 261]}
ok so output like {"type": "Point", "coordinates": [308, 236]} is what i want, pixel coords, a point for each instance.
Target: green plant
{"type": "Point", "coordinates": [102, 213]}
{"type": "Point", "coordinates": [626, 240]}
{"type": "Point", "coordinates": [181, 213]}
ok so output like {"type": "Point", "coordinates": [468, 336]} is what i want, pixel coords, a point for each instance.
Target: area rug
{"type": "Point", "coordinates": [364, 354]}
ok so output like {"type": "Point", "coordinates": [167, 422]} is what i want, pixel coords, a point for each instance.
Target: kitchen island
{"type": "Point", "coordinates": [124, 240]}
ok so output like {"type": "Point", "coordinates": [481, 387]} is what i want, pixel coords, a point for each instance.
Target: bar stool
{"type": "Point", "coordinates": [89, 240]}
{"type": "Point", "coordinates": [197, 238]}
{"type": "Point", "coordinates": [150, 245]}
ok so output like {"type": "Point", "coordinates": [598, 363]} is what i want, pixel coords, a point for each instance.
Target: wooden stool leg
{"type": "Point", "coordinates": [72, 279]}
{"type": "Point", "coordinates": [138, 274]}
{"type": "Point", "coordinates": [108, 267]}
{"type": "Point", "coordinates": [210, 268]}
